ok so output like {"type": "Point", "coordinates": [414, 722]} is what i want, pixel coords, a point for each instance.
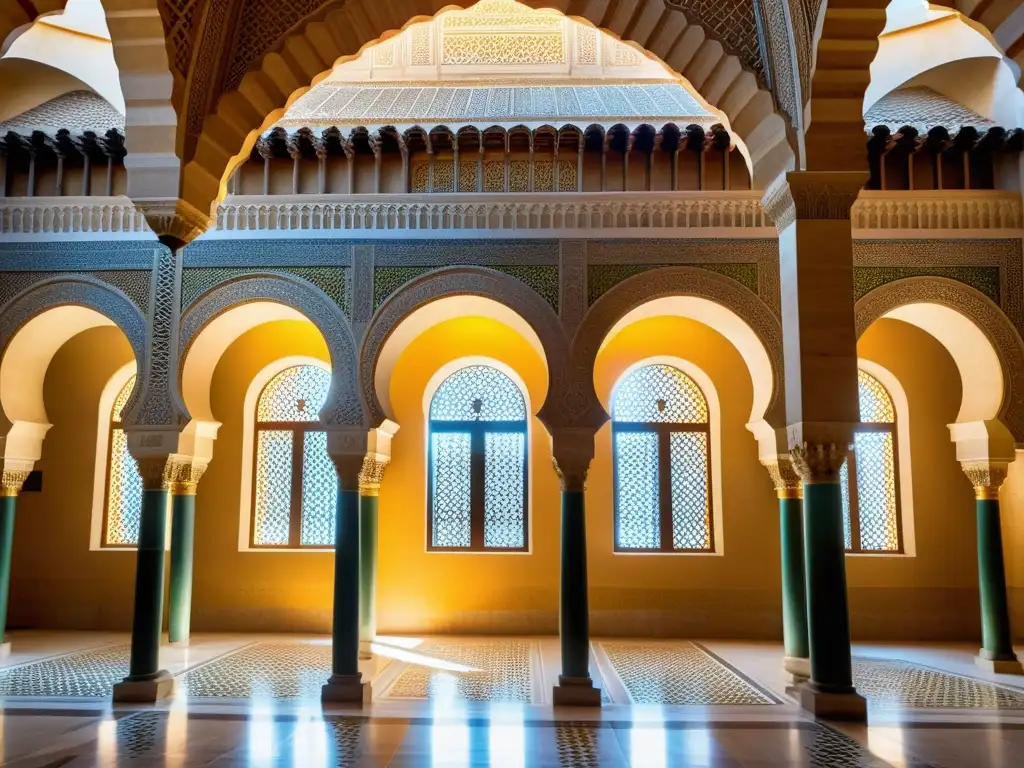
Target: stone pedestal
{"type": "Point", "coordinates": [346, 689]}
{"type": "Point", "coordinates": [829, 705]}
{"type": "Point", "coordinates": [575, 692]}
{"type": "Point", "coordinates": [160, 686]}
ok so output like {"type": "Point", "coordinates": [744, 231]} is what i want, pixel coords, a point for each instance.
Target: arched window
{"type": "Point", "coordinates": [660, 442]}
{"type": "Point", "coordinates": [868, 478]}
{"type": "Point", "coordinates": [122, 508]}
{"type": "Point", "coordinates": [477, 461]}
{"type": "Point", "coordinates": [295, 486]}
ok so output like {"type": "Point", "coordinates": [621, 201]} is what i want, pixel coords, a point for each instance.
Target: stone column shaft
{"type": "Point", "coordinates": [11, 487]}
{"type": "Point", "coordinates": [184, 480]}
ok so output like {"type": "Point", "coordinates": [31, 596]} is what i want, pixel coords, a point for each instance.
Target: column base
{"type": "Point", "coordinates": [1007, 665]}
{"type": "Point", "coordinates": [5, 650]}
{"type": "Point", "coordinates": [830, 705]}
{"type": "Point", "coordinates": [184, 643]}
{"type": "Point", "coordinates": [161, 686]}
{"type": "Point", "coordinates": [575, 692]}
{"type": "Point", "coordinates": [799, 668]}
{"type": "Point", "coordinates": [346, 689]}
{"type": "Point", "coordinates": [365, 652]}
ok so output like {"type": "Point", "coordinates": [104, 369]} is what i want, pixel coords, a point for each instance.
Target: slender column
{"type": "Point", "coordinates": [403, 148]}
{"type": "Point", "coordinates": [59, 186]}
{"type": "Point", "coordinates": [812, 213]}
{"type": "Point", "coordinates": [378, 159]}
{"type": "Point", "coordinates": [369, 491]}
{"type": "Point", "coordinates": [350, 156]}
{"type": "Point", "coordinates": [508, 149]}
{"type": "Point", "coordinates": [346, 681]}
{"type": "Point", "coordinates": [31, 172]}
{"type": "Point", "coordinates": [480, 166]}
{"type": "Point", "coordinates": [791, 538]}
{"type": "Point", "coordinates": [108, 189]}
{"type": "Point", "coordinates": [456, 170]}
{"type": "Point", "coordinates": [183, 516]}
{"type": "Point", "coordinates": [531, 184]}
{"type": "Point", "coordinates": [556, 171]}
{"type": "Point", "coordinates": [430, 164]}
{"type": "Point", "coordinates": [573, 451]}
{"type": "Point", "coordinates": [146, 681]}
{"type": "Point", "coordinates": [295, 152]}
{"type": "Point", "coordinates": [604, 162]}
{"type": "Point", "coordinates": [266, 151]}
{"type": "Point", "coordinates": [579, 164]}
{"type": "Point", "coordinates": [13, 479]}
{"type": "Point", "coordinates": [996, 654]}
{"type": "Point", "coordinates": [625, 161]}
{"type": "Point", "coordinates": [320, 147]}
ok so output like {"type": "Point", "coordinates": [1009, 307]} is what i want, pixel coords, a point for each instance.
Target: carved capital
{"type": "Point", "coordinates": [572, 451]}
{"type": "Point", "coordinates": [371, 474]}
{"type": "Point", "coordinates": [812, 195]}
{"type": "Point", "coordinates": [173, 221]}
{"type": "Point", "coordinates": [14, 477]}
{"type": "Point", "coordinates": [784, 477]}
{"type": "Point", "coordinates": [184, 474]}
{"type": "Point", "coordinates": [986, 477]}
{"type": "Point", "coordinates": [155, 471]}
{"type": "Point", "coordinates": [818, 462]}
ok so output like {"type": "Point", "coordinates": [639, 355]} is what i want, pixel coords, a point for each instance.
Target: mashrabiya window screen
{"type": "Point", "coordinates": [869, 478]}
{"type": "Point", "coordinates": [295, 486]}
{"type": "Point", "coordinates": [123, 507]}
{"type": "Point", "coordinates": [477, 463]}
{"type": "Point", "coordinates": [661, 451]}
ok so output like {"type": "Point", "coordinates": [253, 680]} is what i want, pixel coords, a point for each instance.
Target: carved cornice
{"type": "Point", "coordinates": [173, 219]}
{"type": "Point", "coordinates": [779, 205]}
{"type": "Point", "coordinates": [784, 477]}
{"type": "Point", "coordinates": [818, 462]}
{"type": "Point", "coordinates": [986, 477]}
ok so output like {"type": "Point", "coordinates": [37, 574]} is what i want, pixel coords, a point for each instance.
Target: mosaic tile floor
{"type": "Point", "coordinates": [262, 670]}
{"type": "Point", "coordinates": [85, 673]}
{"type": "Point", "coordinates": [888, 684]}
{"type": "Point", "coordinates": [684, 673]}
{"type": "Point", "coordinates": [494, 671]}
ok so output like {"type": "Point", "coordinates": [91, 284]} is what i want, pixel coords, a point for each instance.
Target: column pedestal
{"type": "Point", "coordinates": [146, 682]}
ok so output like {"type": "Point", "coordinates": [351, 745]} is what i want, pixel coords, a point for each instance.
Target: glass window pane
{"type": "Point", "coordinates": [691, 510]}
{"type": "Point", "coordinates": [875, 404]}
{"type": "Point", "coordinates": [124, 495]}
{"type": "Point", "coordinates": [504, 464]}
{"type": "Point", "coordinates": [450, 494]}
{"type": "Point", "coordinates": [876, 491]}
{"type": "Point", "coordinates": [273, 487]}
{"type": "Point", "coordinates": [844, 492]}
{"type": "Point", "coordinates": [319, 491]}
{"type": "Point", "coordinates": [295, 394]}
{"type": "Point", "coordinates": [478, 393]}
{"type": "Point", "coordinates": [638, 523]}
{"type": "Point", "coordinates": [659, 393]}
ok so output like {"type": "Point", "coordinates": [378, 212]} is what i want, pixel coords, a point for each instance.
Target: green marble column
{"type": "Point", "coordinates": [183, 517]}
{"type": "Point", "coordinates": [8, 503]}
{"type": "Point", "coordinates": [345, 683]}
{"type": "Point", "coordinates": [367, 568]}
{"type": "Point", "coordinates": [794, 596]}
{"type": "Point", "coordinates": [828, 620]}
{"type": "Point", "coordinates": [147, 619]}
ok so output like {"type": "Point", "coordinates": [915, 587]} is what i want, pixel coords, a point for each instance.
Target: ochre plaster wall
{"type": "Point", "coordinates": [56, 581]}
{"type": "Point", "coordinates": [732, 594]}
{"type": "Point", "coordinates": [932, 595]}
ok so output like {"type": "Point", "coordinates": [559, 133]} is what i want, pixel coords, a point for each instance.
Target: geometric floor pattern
{"type": "Point", "coordinates": [262, 671]}
{"type": "Point", "coordinates": [85, 673]}
{"type": "Point", "coordinates": [891, 684]}
{"type": "Point", "coordinates": [489, 671]}
{"type": "Point", "coordinates": [684, 673]}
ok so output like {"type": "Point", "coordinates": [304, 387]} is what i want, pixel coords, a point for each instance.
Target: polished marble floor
{"type": "Point", "coordinates": [447, 701]}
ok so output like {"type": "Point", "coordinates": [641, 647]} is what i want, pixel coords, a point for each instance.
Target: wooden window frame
{"type": "Point", "coordinates": [851, 489]}
{"type": "Point", "coordinates": [664, 430]}
{"type": "Point", "coordinates": [477, 505]}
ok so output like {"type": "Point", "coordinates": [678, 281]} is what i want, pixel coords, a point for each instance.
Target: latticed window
{"type": "Point", "coordinates": [477, 460]}
{"type": "Point", "coordinates": [295, 486]}
{"type": "Point", "coordinates": [869, 478]}
{"type": "Point", "coordinates": [123, 504]}
{"type": "Point", "coordinates": [660, 441]}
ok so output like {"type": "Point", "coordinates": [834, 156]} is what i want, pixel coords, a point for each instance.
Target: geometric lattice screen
{"type": "Point", "coordinates": [123, 511]}
{"type": "Point", "coordinates": [662, 460]}
{"type": "Point", "coordinates": [478, 463]}
{"type": "Point", "coordinates": [868, 479]}
{"type": "Point", "coordinates": [295, 491]}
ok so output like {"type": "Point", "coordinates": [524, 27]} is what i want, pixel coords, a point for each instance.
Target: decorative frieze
{"type": "Point", "coordinates": [71, 216]}
{"type": "Point", "coordinates": [983, 209]}
{"type": "Point", "coordinates": [331, 280]}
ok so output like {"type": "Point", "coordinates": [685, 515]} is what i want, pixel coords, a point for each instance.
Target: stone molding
{"type": "Point", "coordinates": [581, 403]}
{"type": "Point", "coordinates": [343, 405]}
{"type": "Point", "coordinates": [173, 218]}
{"type": "Point", "coordinates": [974, 305]}
{"type": "Point", "coordinates": [71, 216]}
{"type": "Point", "coordinates": [813, 195]}
{"type": "Point", "coordinates": [690, 212]}
{"type": "Point", "coordinates": [468, 281]}
{"type": "Point", "coordinates": [957, 209]}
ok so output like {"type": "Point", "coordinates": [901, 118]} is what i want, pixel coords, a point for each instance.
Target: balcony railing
{"type": "Point", "coordinates": [947, 209]}
{"type": "Point", "coordinates": [70, 215]}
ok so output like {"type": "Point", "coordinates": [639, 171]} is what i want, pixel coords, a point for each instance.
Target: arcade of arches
{"type": "Point", "coordinates": [581, 321]}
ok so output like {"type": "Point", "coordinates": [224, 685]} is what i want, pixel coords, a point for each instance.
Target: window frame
{"type": "Point", "coordinates": [478, 429]}
{"type": "Point", "coordinates": [664, 430]}
{"type": "Point", "coordinates": [298, 431]}
{"type": "Point", "coordinates": [890, 427]}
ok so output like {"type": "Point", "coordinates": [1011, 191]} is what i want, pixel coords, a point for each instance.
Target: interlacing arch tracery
{"type": "Point", "coordinates": [975, 307]}
{"type": "Point", "coordinates": [663, 283]}
{"type": "Point", "coordinates": [468, 281]}
{"type": "Point", "coordinates": [343, 405]}
{"type": "Point", "coordinates": [309, 53]}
